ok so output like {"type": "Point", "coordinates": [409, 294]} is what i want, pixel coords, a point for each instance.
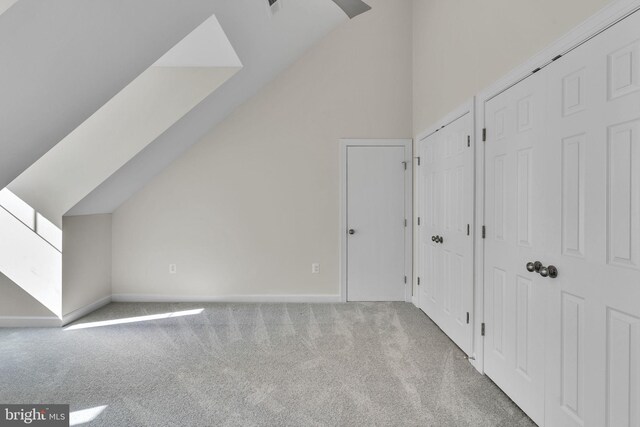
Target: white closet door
{"type": "Point", "coordinates": [376, 222]}
{"type": "Point", "coordinates": [515, 164]}
{"type": "Point", "coordinates": [446, 242]}
{"type": "Point", "coordinates": [430, 221]}
{"type": "Point", "coordinates": [593, 235]}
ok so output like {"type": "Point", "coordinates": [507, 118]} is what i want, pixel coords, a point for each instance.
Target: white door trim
{"type": "Point", "coordinates": [407, 144]}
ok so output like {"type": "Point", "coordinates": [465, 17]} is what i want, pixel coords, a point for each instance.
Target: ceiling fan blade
{"type": "Point", "coordinates": [352, 8]}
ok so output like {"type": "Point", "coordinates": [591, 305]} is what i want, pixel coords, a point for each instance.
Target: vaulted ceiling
{"type": "Point", "coordinates": [66, 59]}
{"type": "Point", "coordinates": [266, 44]}
{"type": "Point", "coordinates": [128, 122]}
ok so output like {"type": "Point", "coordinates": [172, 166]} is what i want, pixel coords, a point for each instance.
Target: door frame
{"type": "Point", "coordinates": [407, 144]}
{"type": "Point", "coordinates": [592, 26]}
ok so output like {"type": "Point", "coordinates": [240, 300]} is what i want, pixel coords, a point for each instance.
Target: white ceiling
{"type": "Point", "coordinates": [265, 45]}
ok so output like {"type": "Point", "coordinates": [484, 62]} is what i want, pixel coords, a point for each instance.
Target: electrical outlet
{"type": "Point", "coordinates": [315, 268]}
{"type": "Point", "coordinates": [172, 269]}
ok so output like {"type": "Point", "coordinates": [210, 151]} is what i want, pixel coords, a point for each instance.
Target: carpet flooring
{"type": "Point", "coordinates": [355, 364]}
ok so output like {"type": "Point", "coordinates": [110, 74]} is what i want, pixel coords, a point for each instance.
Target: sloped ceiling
{"type": "Point", "coordinates": [266, 44]}
{"type": "Point", "coordinates": [63, 59]}
{"type": "Point", "coordinates": [128, 122]}
{"type": "Point", "coordinates": [6, 4]}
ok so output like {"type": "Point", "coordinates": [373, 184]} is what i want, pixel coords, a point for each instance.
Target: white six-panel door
{"type": "Point", "coordinates": [515, 220]}
{"type": "Point", "coordinates": [445, 236]}
{"type": "Point", "coordinates": [562, 187]}
{"type": "Point", "coordinates": [592, 199]}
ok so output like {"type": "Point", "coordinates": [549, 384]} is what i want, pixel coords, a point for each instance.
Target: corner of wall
{"type": "Point", "coordinates": [86, 264]}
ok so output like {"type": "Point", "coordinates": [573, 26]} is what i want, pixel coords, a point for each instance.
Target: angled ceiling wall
{"type": "Point", "coordinates": [6, 4]}
{"type": "Point", "coordinates": [62, 60]}
{"type": "Point", "coordinates": [133, 118]}
{"type": "Point", "coordinates": [266, 45]}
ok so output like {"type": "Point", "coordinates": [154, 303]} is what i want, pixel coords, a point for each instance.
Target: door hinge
{"type": "Point", "coordinates": [418, 220]}
{"type": "Point", "coordinates": [405, 165]}
{"type": "Point", "coordinates": [484, 135]}
{"type": "Point", "coordinates": [405, 280]}
{"type": "Point", "coordinates": [418, 281]}
{"type": "Point", "coordinates": [468, 140]}
{"type": "Point", "coordinates": [468, 229]}
{"type": "Point", "coordinates": [467, 317]}
{"type": "Point", "coordinates": [482, 329]}
{"type": "Point", "coordinates": [484, 232]}
{"type": "Point", "coordinates": [405, 222]}
{"type": "Point", "coordinates": [418, 160]}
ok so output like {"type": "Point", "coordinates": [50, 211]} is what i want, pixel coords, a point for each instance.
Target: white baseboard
{"type": "Point", "coordinates": [415, 301]}
{"type": "Point", "coordinates": [227, 298]}
{"type": "Point", "coordinates": [30, 322]}
{"type": "Point", "coordinates": [83, 311]}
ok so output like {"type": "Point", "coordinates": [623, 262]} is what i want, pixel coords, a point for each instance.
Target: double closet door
{"type": "Point", "coordinates": [562, 249]}
{"type": "Point", "coordinates": [445, 237]}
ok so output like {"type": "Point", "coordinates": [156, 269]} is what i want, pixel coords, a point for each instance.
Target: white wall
{"type": "Point", "coordinates": [462, 46]}
{"type": "Point", "coordinates": [16, 302]}
{"type": "Point", "coordinates": [86, 260]}
{"type": "Point", "coordinates": [250, 207]}
{"type": "Point", "coordinates": [31, 262]}
{"type": "Point", "coordinates": [86, 270]}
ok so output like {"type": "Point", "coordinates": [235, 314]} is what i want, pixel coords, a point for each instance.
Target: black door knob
{"type": "Point", "coordinates": [544, 271]}
{"type": "Point", "coordinates": [553, 271]}
{"type": "Point", "coordinates": [440, 239]}
{"type": "Point", "coordinates": [352, 231]}
{"type": "Point", "coordinates": [531, 267]}
{"type": "Point", "coordinates": [433, 238]}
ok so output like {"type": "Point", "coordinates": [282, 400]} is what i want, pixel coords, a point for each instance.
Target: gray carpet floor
{"type": "Point", "coordinates": [355, 364]}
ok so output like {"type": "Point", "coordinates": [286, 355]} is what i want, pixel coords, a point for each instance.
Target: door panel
{"type": "Point", "coordinates": [514, 298]}
{"type": "Point", "coordinates": [376, 213]}
{"type": "Point", "coordinates": [593, 237]}
{"type": "Point", "coordinates": [446, 201]}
